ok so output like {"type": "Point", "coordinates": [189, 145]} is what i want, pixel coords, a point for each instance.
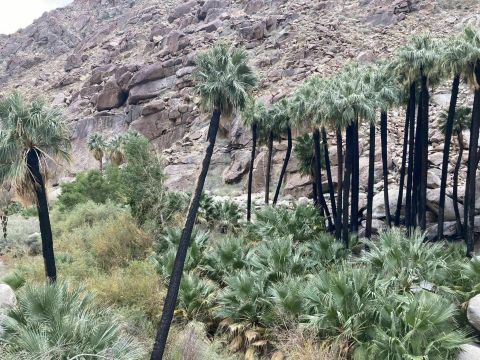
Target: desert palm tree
{"type": "Point", "coordinates": [31, 134]}
{"type": "Point", "coordinates": [97, 144]}
{"type": "Point", "coordinates": [267, 134]}
{"type": "Point", "coordinates": [223, 81]}
{"type": "Point", "coordinates": [306, 157]}
{"type": "Point", "coordinates": [461, 122]}
{"type": "Point", "coordinates": [282, 120]}
{"type": "Point", "coordinates": [115, 150]}
{"type": "Point", "coordinates": [252, 116]}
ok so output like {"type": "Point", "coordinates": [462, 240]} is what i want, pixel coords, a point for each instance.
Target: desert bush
{"type": "Point", "coordinates": [55, 321]}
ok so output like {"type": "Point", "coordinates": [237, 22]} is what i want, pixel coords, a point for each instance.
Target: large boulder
{"type": "Point", "coordinates": [208, 6]}
{"type": "Point", "coordinates": [238, 167]}
{"type": "Point", "coordinates": [433, 200]}
{"type": "Point", "coordinates": [150, 89]}
{"type": "Point", "coordinates": [297, 185]}
{"type": "Point", "coordinates": [473, 312]}
{"type": "Point", "coordinates": [469, 352]}
{"type": "Point", "coordinates": [182, 10]}
{"type": "Point", "coordinates": [111, 97]}
{"type": "Point", "coordinates": [74, 61]}
{"type": "Point", "coordinates": [378, 206]}
{"type": "Point", "coordinates": [153, 72]}
{"type": "Point", "coordinates": [7, 297]}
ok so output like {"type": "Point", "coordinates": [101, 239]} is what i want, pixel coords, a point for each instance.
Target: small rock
{"type": "Point", "coordinates": [7, 297]}
{"type": "Point", "coordinates": [473, 312]}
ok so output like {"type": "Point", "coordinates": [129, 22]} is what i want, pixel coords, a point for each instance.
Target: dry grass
{"type": "Point", "coordinates": [297, 344]}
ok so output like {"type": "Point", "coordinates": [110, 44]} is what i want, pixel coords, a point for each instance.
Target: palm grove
{"type": "Point", "coordinates": [338, 106]}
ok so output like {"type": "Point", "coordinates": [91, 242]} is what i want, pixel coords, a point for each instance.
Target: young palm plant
{"type": "Point", "coordinates": [97, 145]}
{"type": "Point", "coordinates": [32, 133]}
{"type": "Point", "coordinates": [223, 81]}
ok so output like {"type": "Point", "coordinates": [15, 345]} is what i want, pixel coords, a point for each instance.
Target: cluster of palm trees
{"type": "Point", "coordinates": [99, 146]}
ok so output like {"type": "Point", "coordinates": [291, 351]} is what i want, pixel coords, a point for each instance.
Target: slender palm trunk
{"type": "Point", "coordinates": [355, 179]}
{"type": "Point", "coordinates": [446, 154]}
{"type": "Point", "coordinates": [403, 166]}
{"type": "Point", "coordinates": [269, 167]}
{"type": "Point", "coordinates": [461, 147]}
{"type": "Point", "coordinates": [314, 190]}
{"type": "Point", "coordinates": [422, 213]}
{"type": "Point", "coordinates": [174, 284]}
{"type": "Point", "coordinates": [285, 164]}
{"type": "Point", "coordinates": [417, 164]}
{"type": "Point", "coordinates": [346, 183]}
{"type": "Point", "coordinates": [411, 145]}
{"type": "Point", "coordinates": [328, 168]}
{"type": "Point", "coordinates": [371, 180]}
{"type": "Point", "coordinates": [384, 141]}
{"type": "Point", "coordinates": [338, 222]}
{"type": "Point", "coordinates": [469, 205]}
{"type": "Point", "coordinates": [318, 178]}
{"type": "Point", "coordinates": [33, 163]}
{"type": "Point", "coordinates": [250, 172]}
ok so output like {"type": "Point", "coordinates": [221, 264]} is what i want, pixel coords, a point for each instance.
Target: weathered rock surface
{"type": "Point", "coordinates": [473, 312]}
{"type": "Point", "coordinates": [469, 352]}
{"type": "Point", "coordinates": [112, 96]}
{"type": "Point", "coordinates": [7, 297]}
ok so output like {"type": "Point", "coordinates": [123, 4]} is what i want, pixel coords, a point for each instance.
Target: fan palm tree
{"type": "Point", "coordinates": [115, 150]}
{"type": "Point", "coordinates": [282, 120]}
{"type": "Point", "coordinates": [223, 81]}
{"type": "Point", "coordinates": [253, 116]}
{"type": "Point", "coordinates": [306, 157]}
{"type": "Point", "coordinates": [97, 144]}
{"type": "Point", "coordinates": [461, 122]}
{"type": "Point", "coordinates": [31, 134]}
{"type": "Point", "coordinates": [267, 134]}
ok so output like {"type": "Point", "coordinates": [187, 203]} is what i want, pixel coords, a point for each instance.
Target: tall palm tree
{"type": "Point", "coordinates": [461, 122]}
{"type": "Point", "coordinates": [282, 120]}
{"type": "Point", "coordinates": [306, 157]}
{"type": "Point", "coordinates": [97, 144]}
{"type": "Point", "coordinates": [252, 116]}
{"type": "Point", "coordinates": [268, 133]}
{"type": "Point", "coordinates": [223, 81]}
{"type": "Point", "coordinates": [115, 150]}
{"type": "Point", "coordinates": [32, 133]}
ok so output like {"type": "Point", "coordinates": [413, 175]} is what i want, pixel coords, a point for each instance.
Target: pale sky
{"type": "Point", "coordinates": [17, 14]}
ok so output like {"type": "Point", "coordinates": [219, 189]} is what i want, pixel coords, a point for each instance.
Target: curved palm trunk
{"type": "Point", "coordinates": [338, 222]}
{"type": "Point", "coordinates": [472, 170]}
{"type": "Point", "coordinates": [422, 209]}
{"type": "Point", "coordinates": [383, 136]}
{"type": "Point", "coordinates": [446, 154]}
{"type": "Point", "coordinates": [411, 145]}
{"type": "Point", "coordinates": [461, 147]}
{"type": "Point", "coordinates": [285, 164]}
{"type": "Point", "coordinates": [346, 184]}
{"type": "Point", "coordinates": [250, 172]}
{"type": "Point", "coordinates": [403, 166]}
{"type": "Point", "coordinates": [33, 163]}
{"type": "Point", "coordinates": [269, 167]}
{"type": "Point", "coordinates": [318, 178]}
{"type": "Point", "coordinates": [371, 179]}
{"type": "Point", "coordinates": [174, 284]}
{"type": "Point", "coordinates": [328, 168]}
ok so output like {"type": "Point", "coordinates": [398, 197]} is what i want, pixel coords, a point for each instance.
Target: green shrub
{"type": "Point", "coordinates": [15, 280]}
{"type": "Point", "coordinates": [53, 321]}
{"type": "Point", "coordinates": [196, 297]}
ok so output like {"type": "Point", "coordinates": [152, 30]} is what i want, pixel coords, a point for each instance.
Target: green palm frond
{"type": "Point", "coordinates": [461, 121]}
{"type": "Point", "coordinates": [254, 112]}
{"type": "Point", "coordinates": [224, 80]}
{"type": "Point", "coordinates": [97, 144]}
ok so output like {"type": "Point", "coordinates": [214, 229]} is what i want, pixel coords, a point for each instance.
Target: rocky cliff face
{"type": "Point", "coordinates": [120, 64]}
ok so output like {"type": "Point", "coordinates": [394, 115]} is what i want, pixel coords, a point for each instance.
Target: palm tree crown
{"type": "Point", "coordinates": [97, 145]}
{"type": "Point", "coordinates": [254, 112]}
{"type": "Point", "coordinates": [224, 79]}
{"type": "Point", "coordinates": [461, 120]}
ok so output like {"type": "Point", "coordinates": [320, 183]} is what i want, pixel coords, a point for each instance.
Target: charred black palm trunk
{"type": "Point", "coordinates": [446, 154]}
{"type": "Point", "coordinates": [174, 284]}
{"type": "Point", "coordinates": [403, 166]}
{"type": "Point", "coordinates": [411, 145]}
{"type": "Point", "coordinates": [355, 179]}
{"type": "Point", "coordinates": [318, 178]}
{"type": "Point", "coordinates": [384, 142]}
{"type": "Point", "coordinates": [250, 172]}
{"type": "Point", "coordinates": [469, 207]}
{"type": "Point", "coordinates": [328, 168]}
{"type": "Point", "coordinates": [285, 164]}
{"type": "Point", "coordinates": [461, 147]}
{"type": "Point", "coordinates": [33, 163]}
{"type": "Point", "coordinates": [417, 168]}
{"type": "Point", "coordinates": [338, 222]}
{"type": "Point", "coordinates": [346, 184]}
{"type": "Point", "coordinates": [371, 180]}
{"type": "Point", "coordinates": [269, 167]}
{"type": "Point", "coordinates": [422, 204]}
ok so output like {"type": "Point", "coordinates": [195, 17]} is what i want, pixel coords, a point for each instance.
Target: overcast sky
{"type": "Point", "coordinates": [17, 14]}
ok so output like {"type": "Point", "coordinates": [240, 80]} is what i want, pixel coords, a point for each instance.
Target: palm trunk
{"type": "Point", "coordinates": [338, 222]}
{"type": "Point", "coordinates": [383, 135]}
{"type": "Point", "coordinates": [285, 164]}
{"type": "Point", "coordinates": [417, 164]}
{"type": "Point", "coordinates": [318, 178]}
{"type": "Point", "coordinates": [346, 184]}
{"type": "Point", "coordinates": [250, 172]}
{"type": "Point", "coordinates": [472, 170]}
{"type": "Point", "coordinates": [355, 179]}
{"type": "Point", "coordinates": [411, 145]}
{"type": "Point", "coordinates": [446, 154]}
{"type": "Point", "coordinates": [328, 168]}
{"type": "Point", "coordinates": [371, 180]}
{"type": "Point", "coordinates": [461, 147]}
{"type": "Point", "coordinates": [33, 163]}
{"type": "Point", "coordinates": [403, 166]}
{"type": "Point", "coordinates": [269, 167]}
{"type": "Point", "coordinates": [314, 190]}
{"type": "Point", "coordinates": [174, 284]}
{"type": "Point", "coordinates": [422, 218]}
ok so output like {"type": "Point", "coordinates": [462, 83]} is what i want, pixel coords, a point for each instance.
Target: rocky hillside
{"type": "Point", "coordinates": [120, 64]}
